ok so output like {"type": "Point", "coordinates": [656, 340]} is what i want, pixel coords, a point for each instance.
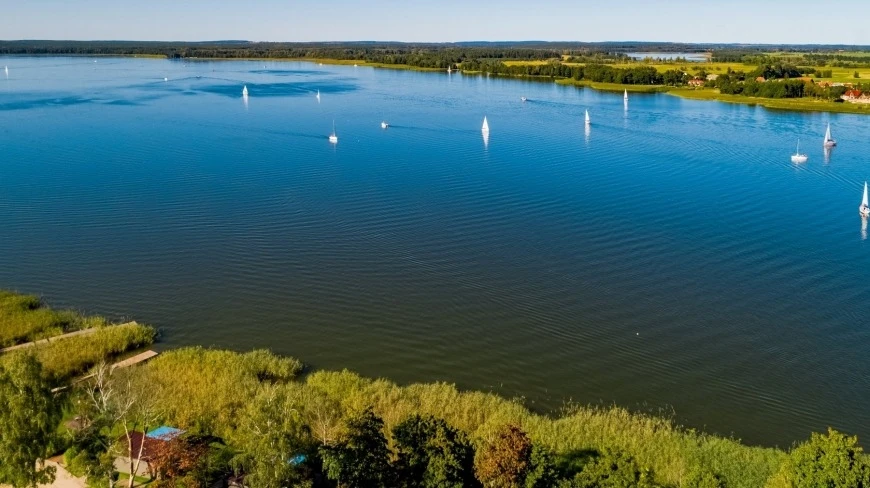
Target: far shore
{"type": "Point", "coordinates": [791, 104]}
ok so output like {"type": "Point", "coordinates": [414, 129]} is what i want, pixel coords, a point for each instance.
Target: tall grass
{"type": "Point", "coordinates": [205, 390]}
{"type": "Point", "coordinates": [64, 358]}
{"type": "Point", "coordinates": [208, 390]}
{"type": "Point", "coordinates": [23, 318]}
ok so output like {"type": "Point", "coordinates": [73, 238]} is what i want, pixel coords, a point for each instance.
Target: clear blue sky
{"type": "Point", "coordinates": [758, 21]}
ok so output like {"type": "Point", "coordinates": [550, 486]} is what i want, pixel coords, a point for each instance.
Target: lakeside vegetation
{"type": "Point", "coordinates": [23, 318]}
{"type": "Point", "coordinates": [252, 414]}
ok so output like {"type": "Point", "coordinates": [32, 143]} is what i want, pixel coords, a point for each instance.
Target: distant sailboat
{"type": "Point", "coordinates": [318, 96]}
{"type": "Point", "coordinates": [449, 70]}
{"type": "Point", "coordinates": [864, 209]}
{"type": "Point", "coordinates": [588, 120]}
{"type": "Point", "coordinates": [485, 127]}
{"type": "Point", "coordinates": [384, 125]}
{"type": "Point", "coordinates": [245, 91]}
{"type": "Point", "coordinates": [332, 137]}
{"type": "Point", "coordinates": [6, 68]}
{"type": "Point", "coordinates": [165, 79]}
{"type": "Point", "coordinates": [797, 157]}
{"type": "Point", "coordinates": [523, 99]}
{"type": "Point", "coordinates": [829, 141]}
{"type": "Point", "coordinates": [625, 95]}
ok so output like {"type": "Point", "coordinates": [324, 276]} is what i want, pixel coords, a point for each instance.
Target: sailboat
{"type": "Point", "coordinates": [523, 99]}
{"type": "Point", "coordinates": [588, 121]}
{"type": "Point", "coordinates": [797, 157]}
{"type": "Point", "coordinates": [332, 137]}
{"type": "Point", "coordinates": [6, 68]}
{"type": "Point", "coordinates": [829, 141]}
{"type": "Point", "coordinates": [449, 70]}
{"type": "Point", "coordinates": [384, 124]}
{"type": "Point", "coordinates": [245, 91]}
{"type": "Point", "coordinates": [625, 95]}
{"type": "Point", "coordinates": [318, 96]}
{"type": "Point", "coordinates": [864, 209]}
{"type": "Point", "coordinates": [485, 127]}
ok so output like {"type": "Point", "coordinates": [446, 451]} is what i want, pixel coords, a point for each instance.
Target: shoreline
{"type": "Point", "coordinates": [806, 105]}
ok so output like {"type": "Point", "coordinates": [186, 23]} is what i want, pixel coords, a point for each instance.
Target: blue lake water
{"type": "Point", "coordinates": [670, 258]}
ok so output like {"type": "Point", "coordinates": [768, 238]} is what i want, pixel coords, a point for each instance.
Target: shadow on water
{"type": "Point", "coordinates": [276, 89]}
{"type": "Point", "coordinates": [288, 72]}
{"type": "Point", "coordinates": [47, 102]}
{"type": "Point", "coordinates": [432, 129]}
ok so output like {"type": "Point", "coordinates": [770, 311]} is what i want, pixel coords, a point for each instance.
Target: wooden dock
{"type": "Point", "coordinates": [130, 361]}
{"type": "Point", "coordinates": [139, 358]}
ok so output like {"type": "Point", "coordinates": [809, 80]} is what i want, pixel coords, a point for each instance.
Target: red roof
{"type": "Point", "coordinates": [853, 93]}
{"type": "Point", "coordinates": [136, 439]}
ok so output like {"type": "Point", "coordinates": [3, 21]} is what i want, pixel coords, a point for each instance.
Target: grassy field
{"type": "Point", "coordinates": [614, 87]}
{"type": "Point", "coordinates": [801, 104]}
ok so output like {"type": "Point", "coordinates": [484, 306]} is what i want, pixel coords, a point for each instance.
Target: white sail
{"type": "Point", "coordinates": [485, 127]}
{"type": "Point", "coordinates": [864, 202]}
{"type": "Point", "coordinates": [829, 141]}
{"type": "Point", "coordinates": [318, 95]}
{"type": "Point", "coordinates": [625, 95]}
{"type": "Point", "coordinates": [588, 121]}
{"type": "Point", "coordinates": [245, 91]}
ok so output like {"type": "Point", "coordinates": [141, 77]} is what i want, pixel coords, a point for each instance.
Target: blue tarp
{"type": "Point", "coordinates": [164, 433]}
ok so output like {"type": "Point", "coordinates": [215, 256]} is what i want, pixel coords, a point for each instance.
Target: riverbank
{"type": "Point", "coordinates": [229, 396]}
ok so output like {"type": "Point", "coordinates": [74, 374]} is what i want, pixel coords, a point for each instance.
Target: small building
{"type": "Point", "coordinates": [712, 77]}
{"type": "Point", "coordinates": [696, 82]}
{"type": "Point", "coordinates": [144, 447]}
{"type": "Point", "coordinates": [852, 95]}
{"type": "Point", "coordinates": [760, 79]}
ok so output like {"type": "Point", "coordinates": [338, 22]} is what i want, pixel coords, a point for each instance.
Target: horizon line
{"type": "Point", "coordinates": [529, 41]}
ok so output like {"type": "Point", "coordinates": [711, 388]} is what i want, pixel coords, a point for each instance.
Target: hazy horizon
{"type": "Point", "coordinates": [678, 21]}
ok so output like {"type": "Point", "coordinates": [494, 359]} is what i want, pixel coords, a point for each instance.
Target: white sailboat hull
{"type": "Point", "coordinates": [864, 209]}
{"type": "Point", "coordinates": [799, 158]}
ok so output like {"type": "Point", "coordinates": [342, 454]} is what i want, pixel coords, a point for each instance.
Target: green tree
{"type": "Point", "coordinates": [612, 469]}
{"type": "Point", "coordinates": [270, 436]}
{"type": "Point", "coordinates": [857, 75]}
{"type": "Point", "coordinates": [542, 473]}
{"type": "Point", "coordinates": [29, 415]}
{"type": "Point", "coordinates": [831, 460]}
{"type": "Point", "coordinates": [432, 454]}
{"type": "Point", "coordinates": [361, 458]}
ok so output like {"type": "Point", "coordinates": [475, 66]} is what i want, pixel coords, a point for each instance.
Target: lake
{"type": "Point", "coordinates": [669, 259]}
{"type": "Point", "coordinates": [691, 57]}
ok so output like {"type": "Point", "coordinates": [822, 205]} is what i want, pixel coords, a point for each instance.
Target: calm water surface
{"type": "Point", "coordinates": [669, 257]}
